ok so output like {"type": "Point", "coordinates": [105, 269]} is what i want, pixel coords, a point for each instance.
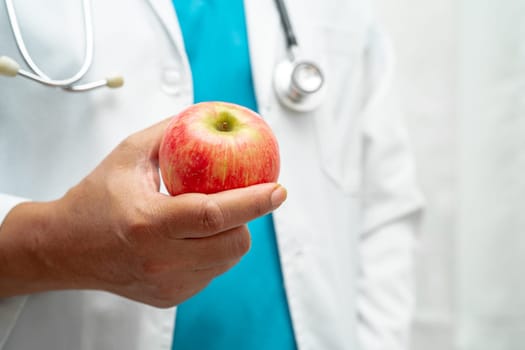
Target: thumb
{"type": "Point", "coordinates": [149, 139]}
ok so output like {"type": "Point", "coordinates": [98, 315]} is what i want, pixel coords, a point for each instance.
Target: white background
{"type": "Point", "coordinates": [461, 77]}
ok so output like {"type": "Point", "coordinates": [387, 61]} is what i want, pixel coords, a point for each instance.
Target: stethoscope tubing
{"type": "Point", "coordinates": [39, 75]}
{"type": "Point", "coordinates": [291, 39]}
{"type": "Point", "coordinates": [290, 90]}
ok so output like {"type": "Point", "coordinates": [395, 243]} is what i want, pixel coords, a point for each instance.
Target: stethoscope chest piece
{"type": "Point", "coordinates": [299, 84]}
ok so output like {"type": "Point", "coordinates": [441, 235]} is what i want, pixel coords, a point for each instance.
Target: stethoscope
{"type": "Point", "coordinates": [299, 84]}
{"type": "Point", "coordinates": [11, 68]}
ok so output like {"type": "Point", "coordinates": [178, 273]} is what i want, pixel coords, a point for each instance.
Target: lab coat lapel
{"type": "Point", "coordinates": [167, 16]}
{"type": "Point", "coordinates": [262, 21]}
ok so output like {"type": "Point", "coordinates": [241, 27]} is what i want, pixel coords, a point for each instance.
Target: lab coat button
{"type": "Point", "coordinates": [171, 81]}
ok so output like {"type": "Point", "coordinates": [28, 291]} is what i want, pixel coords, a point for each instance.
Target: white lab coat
{"type": "Point", "coordinates": [346, 232]}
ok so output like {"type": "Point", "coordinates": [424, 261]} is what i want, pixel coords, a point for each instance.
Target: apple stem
{"type": "Point", "coordinates": [225, 126]}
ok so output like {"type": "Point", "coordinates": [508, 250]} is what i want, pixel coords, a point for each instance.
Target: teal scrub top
{"type": "Point", "coordinates": [245, 308]}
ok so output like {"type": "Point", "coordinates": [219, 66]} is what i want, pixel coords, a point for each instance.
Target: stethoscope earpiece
{"type": "Point", "coordinates": [8, 67]}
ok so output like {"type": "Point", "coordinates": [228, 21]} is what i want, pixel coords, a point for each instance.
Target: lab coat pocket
{"type": "Point", "coordinates": [338, 121]}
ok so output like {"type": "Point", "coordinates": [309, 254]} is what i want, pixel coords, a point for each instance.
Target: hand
{"type": "Point", "coordinates": [116, 232]}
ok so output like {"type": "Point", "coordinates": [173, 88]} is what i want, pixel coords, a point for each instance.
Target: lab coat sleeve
{"type": "Point", "coordinates": [391, 211]}
{"type": "Point", "coordinates": [10, 308]}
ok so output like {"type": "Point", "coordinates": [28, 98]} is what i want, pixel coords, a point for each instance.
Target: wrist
{"type": "Point", "coordinates": [26, 263]}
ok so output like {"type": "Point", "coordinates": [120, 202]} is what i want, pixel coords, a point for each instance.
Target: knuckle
{"type": "Point", "coordinates": [159, 287]}
{"type": "Point", "coordinates": [137, 222]}
{"type": "Point", "coordinates": [241, 242]}
{"type": "Point", "coordinates": [136, 231]}
{"type": "Point", "coordinates": [167, 293]}
{"type": "Point", "coordinates": [190, 264]}
{"type": "Point", "coordinates": [152, 268]}
{"type": "Point", "coordinates": [225, 268]}
{"type": "Point", "coordinates": [136, 225]}
{"type": "Point", "coordinates": [211, 216]}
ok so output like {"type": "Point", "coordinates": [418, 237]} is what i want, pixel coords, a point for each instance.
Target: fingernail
{"type": "Point", "coordinates": [278, 196]}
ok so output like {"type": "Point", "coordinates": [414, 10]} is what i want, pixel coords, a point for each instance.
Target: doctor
{"type": "Point", "coordinates": [92, 250]}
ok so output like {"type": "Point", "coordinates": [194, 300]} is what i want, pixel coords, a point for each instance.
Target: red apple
{"type": "Point", "coordinates": [216, 146]}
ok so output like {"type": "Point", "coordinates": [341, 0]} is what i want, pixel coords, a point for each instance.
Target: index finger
{"type": "Point", "coordinates": [195, 215]}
